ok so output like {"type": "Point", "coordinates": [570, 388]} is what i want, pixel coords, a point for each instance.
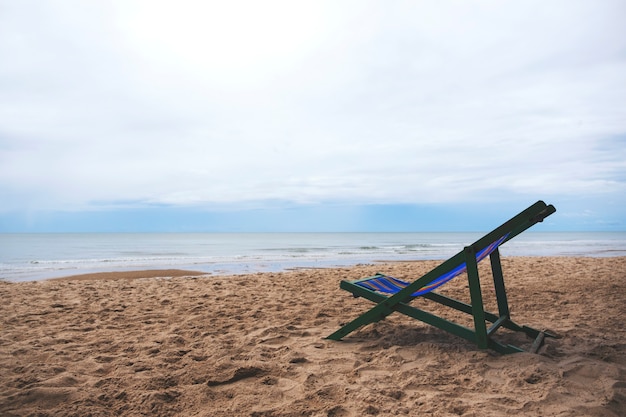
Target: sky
{"type": "Point", "coordinates": [200, 116]}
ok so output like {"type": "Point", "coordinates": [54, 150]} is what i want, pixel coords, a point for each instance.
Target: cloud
{"type": "Point", "coordinates": [241, 103]}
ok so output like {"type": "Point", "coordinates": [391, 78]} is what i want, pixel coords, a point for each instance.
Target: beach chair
{"type": "Point", "coordinates": [394, 295]}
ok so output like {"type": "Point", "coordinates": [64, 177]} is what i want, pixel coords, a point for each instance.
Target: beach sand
{"type": "Point", "coordinates": [253, 345]}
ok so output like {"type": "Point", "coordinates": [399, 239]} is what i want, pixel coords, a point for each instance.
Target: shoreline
{"type": "Point", "coordinates": [128, 274]}
{"type": "Point", "coordinates": [254, 344]}
{"type": "Point", "coordinates": [38, 257]}
{"type": "Point", "coordinates": [263, 268]}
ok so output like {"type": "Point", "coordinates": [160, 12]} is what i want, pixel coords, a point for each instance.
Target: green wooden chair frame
{"type": "Point", "coordinates": [481, 334]}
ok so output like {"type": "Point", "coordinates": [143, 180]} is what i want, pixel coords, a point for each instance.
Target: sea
{"type": "Point", "coordinates": [28, 257]}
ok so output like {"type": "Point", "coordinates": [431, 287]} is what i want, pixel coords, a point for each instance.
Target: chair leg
{"type": "Point", "coordinates": [498, 282]}
{"type": "Point", "coordinates": [377, 313]}
{"type": "Point", "coordinates": [478, 310]}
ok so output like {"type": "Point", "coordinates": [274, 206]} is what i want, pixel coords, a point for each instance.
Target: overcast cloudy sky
{"type": "Point", "coordinates": [310, 115]}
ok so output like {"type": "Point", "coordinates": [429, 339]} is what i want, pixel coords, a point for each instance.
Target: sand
{"type": "Point", "coordinates": [253, 345]}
